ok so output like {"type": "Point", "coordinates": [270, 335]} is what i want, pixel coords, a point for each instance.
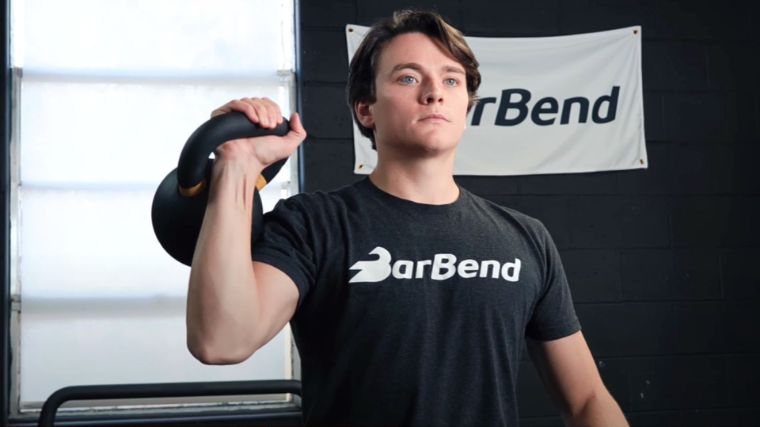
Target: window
{"type": "Point", "coordinates": [105, 95]}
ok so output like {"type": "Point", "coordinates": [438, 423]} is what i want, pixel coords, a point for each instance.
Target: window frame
{"type": "Point", "coordinates": [288, 409]}
{"type": "Point", "coordinates": [5, 229]}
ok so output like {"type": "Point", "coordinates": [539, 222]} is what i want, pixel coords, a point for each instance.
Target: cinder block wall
{"type": "Point", "coordinates": [664, 263]}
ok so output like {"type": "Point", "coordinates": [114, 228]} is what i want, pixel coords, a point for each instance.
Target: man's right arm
{"type": "Point", "coordinates": [234, 305]}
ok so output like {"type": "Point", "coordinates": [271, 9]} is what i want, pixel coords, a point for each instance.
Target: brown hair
{"type": "Point", "coordinates": [361, 74]}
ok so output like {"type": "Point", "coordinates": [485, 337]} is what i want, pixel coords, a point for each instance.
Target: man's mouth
{"type": "Point", "coordinates": [434, 117]}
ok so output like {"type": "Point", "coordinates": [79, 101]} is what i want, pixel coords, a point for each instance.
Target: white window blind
{"type": "Point", "coordinates": [106, 94]}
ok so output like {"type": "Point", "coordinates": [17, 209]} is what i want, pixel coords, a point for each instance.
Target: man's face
{"type": "Point", "coordinates": [421, 97]}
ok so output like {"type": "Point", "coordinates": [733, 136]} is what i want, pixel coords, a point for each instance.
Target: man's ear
{"type": "Point", "coordinates": [364, 114]}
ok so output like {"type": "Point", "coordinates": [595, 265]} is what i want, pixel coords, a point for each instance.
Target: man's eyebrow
{"type": "Point", "coordinates": [417, 67]}
{"type": "Point", "coordinates": [453, 69]}
{"type": "Point", "coordinates": [407, 65]}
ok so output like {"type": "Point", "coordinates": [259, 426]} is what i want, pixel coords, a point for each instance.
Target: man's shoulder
{"type": "Point", "coordinates": [500, 209]}
{"type": "Point", "coordinates": [340, 196]}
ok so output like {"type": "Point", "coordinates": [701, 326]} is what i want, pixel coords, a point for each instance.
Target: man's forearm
{"type": "Point", "coordinates": [221, 307]}
{"type": "Point", "coordinates": [600, 410]}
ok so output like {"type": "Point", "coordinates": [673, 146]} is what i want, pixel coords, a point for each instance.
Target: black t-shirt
{"type": "Point", "coordinates": [413, 314]}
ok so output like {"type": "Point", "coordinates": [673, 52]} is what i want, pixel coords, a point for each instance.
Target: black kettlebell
{"type": "Point", "coordinates": [180, 200]}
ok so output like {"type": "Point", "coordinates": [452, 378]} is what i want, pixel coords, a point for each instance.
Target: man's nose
{"type": "Point", "coordinates": [431, 93]}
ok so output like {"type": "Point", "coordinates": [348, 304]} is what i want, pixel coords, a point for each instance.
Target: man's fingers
{"type": "Point", "coordinates": [297, 133]}
{"type": "Point", "coordinates": [241, 106]}
{"type": "Point", "coordinates": [221, 110]}
{"type": "Point", "coordinates": [262, 111]}
{"type": "Point", "coordinates": [296, 126]}
{"type": "Point", "coordinates": [262, 114]}
{"type": "Point", "coordinates": [273, 110]}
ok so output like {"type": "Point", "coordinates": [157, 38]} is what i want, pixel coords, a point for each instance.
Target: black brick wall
{"type": "Point", "coordinates": [662, 262]}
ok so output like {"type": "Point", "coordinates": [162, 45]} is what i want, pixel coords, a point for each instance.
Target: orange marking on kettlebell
{"type": "Point", "coordinates": [194, 190]}
{"type": "Point", "coordinates": [261, 182]}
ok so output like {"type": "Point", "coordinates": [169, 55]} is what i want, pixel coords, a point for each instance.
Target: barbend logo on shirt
{"type": "Point", "coordinates": [441, 267]}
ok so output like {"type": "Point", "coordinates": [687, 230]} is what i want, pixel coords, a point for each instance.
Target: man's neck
{"type": "Point", "coordinates": [429, 181]}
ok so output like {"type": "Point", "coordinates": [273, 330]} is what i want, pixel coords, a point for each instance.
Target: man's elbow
{"type": "Point", "coordinates": [598, 408]}
{"type": "Point", "coordinates": [211, 354]}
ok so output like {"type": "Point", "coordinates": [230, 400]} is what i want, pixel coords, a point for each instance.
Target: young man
{"type": "Point", "coordinates": [408, 296]}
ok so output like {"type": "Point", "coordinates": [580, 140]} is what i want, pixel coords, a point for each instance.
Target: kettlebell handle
{"type": "Point", "coordinates": [191, 168]}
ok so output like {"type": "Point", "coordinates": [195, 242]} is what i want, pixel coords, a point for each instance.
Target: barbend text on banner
{"type": "Point", "coordinates": [546, 105]}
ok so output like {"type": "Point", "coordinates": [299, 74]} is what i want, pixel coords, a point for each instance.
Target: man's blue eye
{"type": "Point", "coordinates": [451, 82]}
{"type": "Point", "coordinates": [408, 79]}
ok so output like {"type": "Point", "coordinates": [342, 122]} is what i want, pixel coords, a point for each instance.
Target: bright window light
{"type": "Point", "coordinates": [105, 95]}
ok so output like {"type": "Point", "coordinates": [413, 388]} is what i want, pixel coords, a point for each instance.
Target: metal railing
{"type": "Point", "coordinates": [137, 391]}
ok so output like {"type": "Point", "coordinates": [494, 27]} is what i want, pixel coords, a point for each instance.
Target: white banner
{"type": "Point", "coordinates": [547, 105]}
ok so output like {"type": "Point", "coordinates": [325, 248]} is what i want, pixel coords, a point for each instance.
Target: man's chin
{"type": "Point", "coordinates": [428, 147]}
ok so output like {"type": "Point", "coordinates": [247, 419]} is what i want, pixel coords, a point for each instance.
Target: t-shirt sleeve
{"type": "Point", "coordinates": [554, 315]}
{"type": "Point", "coordinates": [286, 244]}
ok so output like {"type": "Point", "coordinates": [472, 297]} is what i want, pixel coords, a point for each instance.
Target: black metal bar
{"type": "Point", "coordinates": [135, 391]}
{"type": "Point", "coordinates": [299, 89]}
{"type": "Point", "coordinates": [5, 180]}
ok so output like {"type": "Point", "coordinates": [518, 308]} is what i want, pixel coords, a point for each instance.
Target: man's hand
{"type": "Point", "coordinates": [258, 153]}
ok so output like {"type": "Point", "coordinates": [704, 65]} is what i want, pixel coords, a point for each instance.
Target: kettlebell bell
{"type": "Point", "coordinates": [180, 200]}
